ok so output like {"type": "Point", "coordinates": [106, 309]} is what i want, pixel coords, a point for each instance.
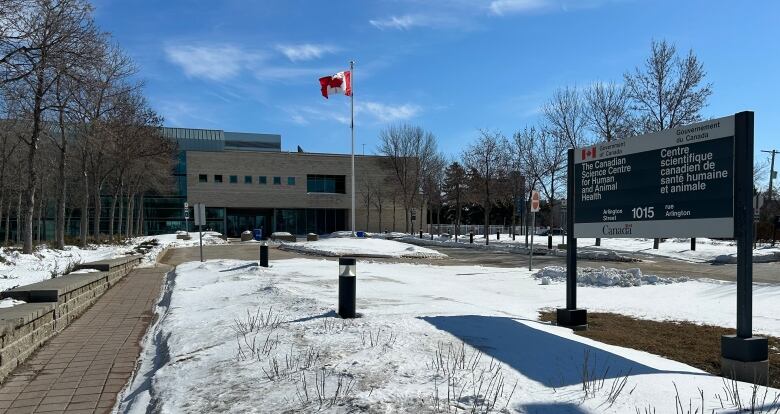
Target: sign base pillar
{"type": "Point", "coordinates": [745, 359]}
{"type": "Point", "coordinates": [576, 319]}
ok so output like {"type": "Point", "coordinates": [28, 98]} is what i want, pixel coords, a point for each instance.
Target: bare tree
{"type": "Point", "coordinates": [608, 113]}
{"type": "Point", "coordinates": [454, 191]}
{"type": "Point", "coordinates": [486, 161]}
{"type": "Point", "coordinates": [367, 196]}
{"type": "Point", "coordinates": [566, 117]}
{"type": "Point", "coordinates": [668, 91]}
{"type": "Point", "coordinates": [432, 177]}
{"type": "Point", "coordinates": [54, 32]}
{"type": "Point", "coordinates": [407, 149]}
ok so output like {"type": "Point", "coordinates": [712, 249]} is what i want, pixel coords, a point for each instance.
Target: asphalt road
{"type": "Point", "coordinates": [762, 272]}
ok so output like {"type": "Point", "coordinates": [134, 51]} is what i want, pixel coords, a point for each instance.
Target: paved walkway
{"type": "Point", "coordinates": [84, 367]}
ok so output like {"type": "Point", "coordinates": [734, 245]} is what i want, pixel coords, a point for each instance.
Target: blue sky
{"type": "Point", "coordinates": [450, 66]}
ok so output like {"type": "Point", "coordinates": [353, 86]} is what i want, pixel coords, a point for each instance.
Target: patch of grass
{"type": "Point", "coordinates": [686, 342]}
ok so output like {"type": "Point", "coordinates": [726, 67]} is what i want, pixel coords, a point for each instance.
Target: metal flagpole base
{"type": "Point", "coordinates": [576, 319]}
{"type": "Point", "coordinates": [745, 359]}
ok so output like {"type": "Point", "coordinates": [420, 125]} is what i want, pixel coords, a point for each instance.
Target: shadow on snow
{"type": "Point", "coordinates": [546, 358]}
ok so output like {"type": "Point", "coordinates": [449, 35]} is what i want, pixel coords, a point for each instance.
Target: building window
{"type": "Point", "coordinates": [290, 180]}
{"type": "Point", "coordinates": [277, 180]}
{"type": "Point", "coordinates": [233, 179]}
{"type": "Point", "coordinates": [203, 178]}
{"type": "Point", "coordinates": [217, 178]}
{"type": "Point", "coordinates": [247, 179]}
{"type": "Point", "coordinates": [262, 180]}
{"type": "Point", "coordinates": [326, 184]}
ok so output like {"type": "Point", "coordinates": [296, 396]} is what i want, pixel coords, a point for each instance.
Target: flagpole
{"type": "Point", "coordinates": [352, 127]}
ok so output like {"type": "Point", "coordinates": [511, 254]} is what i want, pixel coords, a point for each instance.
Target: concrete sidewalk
{"type": "Point", "coordinates": [84, 367]}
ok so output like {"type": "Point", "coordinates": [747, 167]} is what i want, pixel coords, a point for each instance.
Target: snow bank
{"type": "Point", "coordinates": [414, 317]}
{"type": "Point", "coordinates": [362, 247]}
{"type": "Point", "coordinates": [606, 277]}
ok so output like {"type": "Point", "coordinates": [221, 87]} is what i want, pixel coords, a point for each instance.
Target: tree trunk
{"type": "Point", "coordinates": [19, 218]}
{"type": "Point", "coordinates": [129, 225]}
{"type": "Point", "coordinates": [84, 225]}
{"type": "Point", "coordinates": [112, 215]}
{"type": "Point", "coordinates": [68, 219]}
{"type": "Point", "coordinates": [121, 211]}
{"type": "Point", "coordinates": [140, 218]}
{"type": "Point", "coordinates": [40, 218]}
{"type": "Point", "coordinates": [380, 217]}
{"type": "Point", "coordinates": [7, 221]}
{"type": "Point", "coordinates": [98, 205]}
{"type": "Point", "coordinates": [394, 212]}
{"type": "Point", "coordinates": [59, 230]}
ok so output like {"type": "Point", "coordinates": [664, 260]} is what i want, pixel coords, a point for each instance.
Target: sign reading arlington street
{"type": "Point", "coordinates": [674, 183]}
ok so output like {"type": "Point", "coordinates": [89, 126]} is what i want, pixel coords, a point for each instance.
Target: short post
{"type": "Point", "coordinates": [531, 252]}
{"type": "Point", "coordinates": [571, 316]}
{"type": "Point", "coordinates": [693, 244]}
{"type": "Point", "coordinates": [347, 282]}
{"type": "Point", "coordinates": [264, 254]}
{"type": "Point", "coordinates": [498, 234]}
{"type": "Point", "coordinates": [200, 236]}
{"type": "Point", "coordinates": [421, 234]}
{"type": "Point", "coordinates": [471, 238]}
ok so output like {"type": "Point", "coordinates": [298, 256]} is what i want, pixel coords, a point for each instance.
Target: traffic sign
{"type": "Point", "coordinates": [535, 202]}
{"type": "Point", "coordinates": [200, 214]}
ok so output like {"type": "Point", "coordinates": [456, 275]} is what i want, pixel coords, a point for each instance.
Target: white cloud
{"type": "Point", "coordinates": [398, 22]}
{"type": "Point", "coordinates": [213, 62]}
{"type": "Point", "coordinates": [389, 113]}
{"type": "Point", "coordinates": [501, 7]}
{"type": "Point", "coordinates": [306, 51]}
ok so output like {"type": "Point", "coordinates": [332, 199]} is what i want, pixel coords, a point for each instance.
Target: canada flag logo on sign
{"type": "Point", "coordinates": [588, 153]}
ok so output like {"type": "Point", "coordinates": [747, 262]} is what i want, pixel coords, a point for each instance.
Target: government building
{"type": "Point", "coordinates": [247, 182]}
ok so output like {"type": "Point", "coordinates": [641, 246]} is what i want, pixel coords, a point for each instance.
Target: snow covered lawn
{"type": "Point", "coordinates": [18, 269]}
{"type": "Point", "coordinates": [233, 337]}
{"type": "Point", "coordinates": [362, 247]}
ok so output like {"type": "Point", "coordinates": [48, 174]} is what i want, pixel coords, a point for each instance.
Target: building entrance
{"type": "Point", "coordinates": [240, 220]}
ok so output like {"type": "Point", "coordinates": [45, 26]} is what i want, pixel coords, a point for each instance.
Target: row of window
{"type": "Point", "coordinates": [204, 178]}
{"type": "Point", "coordinates": [315, 183]}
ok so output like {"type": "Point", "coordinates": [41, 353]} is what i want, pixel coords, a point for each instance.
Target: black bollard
{"type": "Point", "coordinates": [264, 255]}
{"type": "Point", "coordinates": [693, 243]}
{"type": "Point", "coordinates": [421, 234]}
{"type": "Point", "coordinates": [498, 234]}
{"type": "Point", "coordinates": [347, 286]}
{"type": "Point", "coordinates": [471, 238]}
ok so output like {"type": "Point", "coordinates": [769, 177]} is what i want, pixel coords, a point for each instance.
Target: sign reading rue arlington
{"type": "Point", "coordinates": [674, 183]}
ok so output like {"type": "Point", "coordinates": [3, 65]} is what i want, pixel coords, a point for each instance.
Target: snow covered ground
{"type": "Point", "coordinates": [234, 337]}
{"type": "Point", "coordinates": [707, 250]}
{"type": "Point", "coordinates": [362, 247]}
{"type": "Point", "coordinates": [18, 269]}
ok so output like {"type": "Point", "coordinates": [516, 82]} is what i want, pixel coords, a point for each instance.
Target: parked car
{"type": "Point", "coordinates": [557, 231]}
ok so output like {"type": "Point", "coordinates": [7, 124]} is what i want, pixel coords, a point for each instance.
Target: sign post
{"type": "Point", "coordinates": [534, 209]}
{"type": "Point", "coordinates": [570, 316]}
{"type": "Point", "coordinates": [689, 181]}
{"type": "Point", "coordinates": [200, 220]}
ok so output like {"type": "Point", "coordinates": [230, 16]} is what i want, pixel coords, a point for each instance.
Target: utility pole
{"type": "Point", "coordinates": [771, 172]}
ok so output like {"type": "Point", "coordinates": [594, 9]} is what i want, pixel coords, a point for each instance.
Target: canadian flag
{"type": "Point", "coordinates": [338, 83]}
{"type": "Point", "coordinates": [588, 153]}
